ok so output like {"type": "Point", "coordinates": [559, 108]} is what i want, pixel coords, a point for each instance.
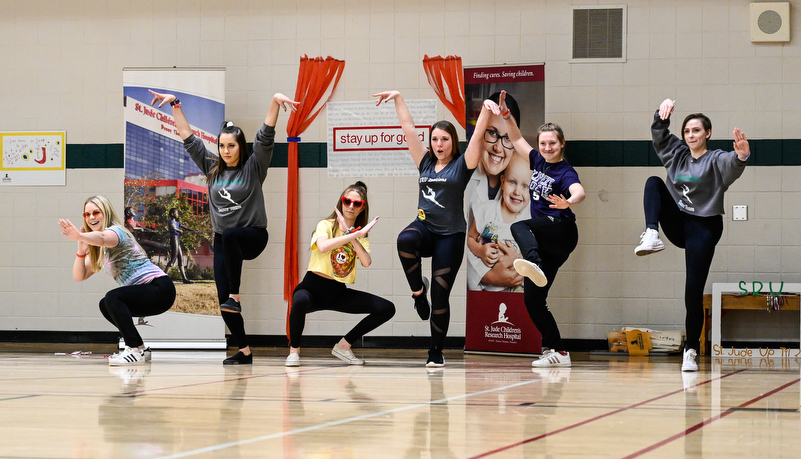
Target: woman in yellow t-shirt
{"type": "Point", "coordinates": [337, 242]}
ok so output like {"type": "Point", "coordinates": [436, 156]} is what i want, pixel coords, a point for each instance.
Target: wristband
{"type": "Point", "coordinates": [80, 256]}
{"type": "Point", "coordinates": [175, 103]}
{"type": "Point", "coordinates": [506, 113]}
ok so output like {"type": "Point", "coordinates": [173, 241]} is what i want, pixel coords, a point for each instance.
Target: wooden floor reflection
{"type": "Point", "coordinates": [186, 404]}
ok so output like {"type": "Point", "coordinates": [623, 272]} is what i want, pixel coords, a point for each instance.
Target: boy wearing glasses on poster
{"type": "Point", "coordinates": [490, 235]}
{"type": "Point", "coordinates": [336, 244]}
{"type": "Point", "coordinates": [145, 290]}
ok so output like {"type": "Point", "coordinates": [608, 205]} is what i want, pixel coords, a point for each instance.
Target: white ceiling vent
{"type": "Point", "coordinates": [770, 21]}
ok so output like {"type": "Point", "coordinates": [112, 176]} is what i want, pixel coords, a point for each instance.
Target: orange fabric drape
{"type": "Point", "coordinates": [445, 75]}
{"type": "Point", "coordinates": [317, 79]}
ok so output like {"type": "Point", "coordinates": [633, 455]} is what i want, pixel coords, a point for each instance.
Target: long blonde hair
{"type": "Point", "coordinates": [110, 219]}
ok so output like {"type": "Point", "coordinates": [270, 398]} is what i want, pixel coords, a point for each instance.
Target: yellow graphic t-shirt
{"type": "Point", "coordinates": [339, 263]}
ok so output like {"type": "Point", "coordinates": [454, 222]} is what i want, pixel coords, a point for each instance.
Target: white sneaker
{"type": "Point", "coordinates": [688, 362]}
{"type": "Point", "coordinates": [345, 355]}
{"type": "Point", "coordinates": [531, 271]}
{"type": "Point", "coordinates": [551, 358]}
{"type": "Point", "coordinates": [649, 243]}
{"type": "Point", "coordinates": [128, 357]}
{"type": "Point", "coordinates": [147, 354]}
{"type": "Point", "coordinates": [292, 360]}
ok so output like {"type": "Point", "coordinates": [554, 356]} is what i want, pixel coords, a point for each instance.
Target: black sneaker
{"type": "Point", "coordinates": [239, 359]}
{"type": "Point", "coordinates": [421, 303]}
{"type": "Point", "coordinates": [435, 359]}
{"type": "Point", "coordinates": [231, 305]}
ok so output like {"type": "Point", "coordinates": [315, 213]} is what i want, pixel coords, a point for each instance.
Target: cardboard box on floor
{"type": "Point", "coordinates": [617, 341]}
{"type": "Point", "coordinates": [639, 342]}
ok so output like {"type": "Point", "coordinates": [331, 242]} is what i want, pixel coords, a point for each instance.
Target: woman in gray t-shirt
{"type": "Point", "coordinates": [439, 229]}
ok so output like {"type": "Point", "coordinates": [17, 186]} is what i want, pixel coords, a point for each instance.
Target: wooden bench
{"type": "Point", "coordinates": [740, 302]}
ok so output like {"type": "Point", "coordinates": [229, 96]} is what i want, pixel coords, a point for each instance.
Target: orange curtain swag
{"type": "Point", "coordinates": [317, 79]}
{"type": "Point", "coordinates": [445, 75]}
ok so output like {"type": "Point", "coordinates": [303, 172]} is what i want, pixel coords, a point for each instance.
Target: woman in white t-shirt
{"type": "Point", "coordinates": [336, 244]}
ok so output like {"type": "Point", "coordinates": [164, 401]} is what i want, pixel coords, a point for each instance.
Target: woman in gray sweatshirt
{"type": "Point", "coordinates": [689, 206]}
{"type": "Point", "coordinates": [236, 203]}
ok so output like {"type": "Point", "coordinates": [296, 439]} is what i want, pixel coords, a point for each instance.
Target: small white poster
{"type": "Point", "coordinates": [33, 158]}
{"type": "Point", "coordinates": [367, 141]}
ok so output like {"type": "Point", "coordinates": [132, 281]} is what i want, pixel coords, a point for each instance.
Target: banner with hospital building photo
{"type": "Point", "coordinates": [166, 198]}
{"type": "Point", "coordinates": [496, 197]}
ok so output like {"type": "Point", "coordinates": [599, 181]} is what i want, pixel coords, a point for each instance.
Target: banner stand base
{"type": "Point", "coordinates": [178, 330]}
{"type": "Point", "coordinates": [502, 354]}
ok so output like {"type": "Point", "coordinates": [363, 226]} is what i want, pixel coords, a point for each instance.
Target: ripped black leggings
{"type": "Point", "coordinates": [446, 251]}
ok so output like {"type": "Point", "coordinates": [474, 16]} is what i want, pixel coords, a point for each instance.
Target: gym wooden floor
{"type": "Point", "coordinates": [187, 404]}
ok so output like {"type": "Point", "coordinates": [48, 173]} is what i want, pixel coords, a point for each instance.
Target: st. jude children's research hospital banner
{"type": "Point", "coordinates": [367, 141]}
{"type": "Point", "coordinates": [497, 320]}
{"type": "Point", "coordinates": [166, 200]}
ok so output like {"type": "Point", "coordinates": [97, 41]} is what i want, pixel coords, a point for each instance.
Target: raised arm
{"type": "Point", "coordinates": [666, 108]}
{"type": "Point", "coordinates": [665, 143]}
{"type": "Point", "coordinates": [106, 238]}
{"type": "Point", "coordinates": [279, 101]}
{"type": "Point", "coordinates": [472, 154]}
{"type": "Point", "coordinates": [522, 147]}
{"type": "Point", "coordinates": [184, 129]}
{"type": "Point", "coordinates": [741, 146]}
{"type": "Point", "coordinates": [416, 147]}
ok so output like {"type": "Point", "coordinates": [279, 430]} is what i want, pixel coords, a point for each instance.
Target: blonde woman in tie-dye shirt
{"type": "Point", "coordinates": [145, 290]}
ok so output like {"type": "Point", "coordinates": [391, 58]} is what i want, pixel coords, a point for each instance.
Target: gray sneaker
{"type": "Point", "coordinates": [346, 355]}
{"type": "Point", "coordinates": [292, 360]}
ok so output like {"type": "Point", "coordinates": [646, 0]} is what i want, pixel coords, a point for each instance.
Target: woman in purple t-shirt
{"type": "Point", "coordinates": [548, 238]}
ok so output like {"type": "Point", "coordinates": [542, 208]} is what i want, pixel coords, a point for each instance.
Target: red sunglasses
{"type": "Point", "coordinates": [95, 213]}
{"type": "Point", "coordinates": [356, 203]}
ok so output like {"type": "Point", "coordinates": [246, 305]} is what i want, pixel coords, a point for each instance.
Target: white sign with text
{"type": "Point", "coordinates": [367, 141]}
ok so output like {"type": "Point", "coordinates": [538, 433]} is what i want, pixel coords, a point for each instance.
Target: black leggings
{"type": "Point", "coordinates": [548, 242]}
{"type": "Point", "coordinates": [446, 252]}
{"type": "Point", "coordinates": [317, 293]}
{"type": "Point", "coordinates": [231, 248]}
{"type": "Point", "coordinates": [698, 236]}
{"type": "Point", "coordinates": [122, 304]}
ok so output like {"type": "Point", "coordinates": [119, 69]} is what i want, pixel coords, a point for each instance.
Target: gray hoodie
{"type": "Point", "coordinates": [697, 185]}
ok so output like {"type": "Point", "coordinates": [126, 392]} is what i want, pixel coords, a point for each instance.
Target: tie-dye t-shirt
{"type": "Point", "coordinates": [128, 263]}
{"type": "Point", "coordinates": [340, 263]}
